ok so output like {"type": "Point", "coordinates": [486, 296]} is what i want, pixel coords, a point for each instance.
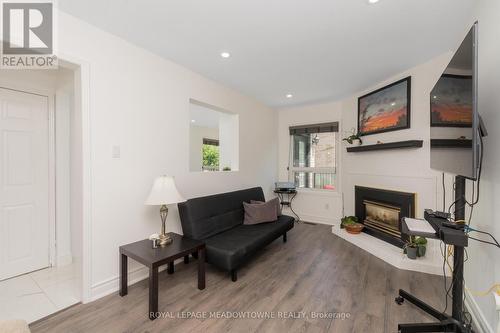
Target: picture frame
{"type": "Point", "coordinates": [451, 101]}
{"type": "Point", "coordinates": [386, 109]}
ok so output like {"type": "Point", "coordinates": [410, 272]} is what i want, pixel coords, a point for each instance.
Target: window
{"type": "Point", "coordinates": [213, 138]}
{"type": "Point", "coordinates": [313, 156]}
{"type": "Point", "coordinates": [210, 153]}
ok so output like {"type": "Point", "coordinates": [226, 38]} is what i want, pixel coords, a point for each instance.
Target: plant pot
{"type": "Point", "coordinates": [411, 252]}
{"type": "Point", "coordinates": [355, 228]}
{"type": "Point", "coordinates": [356, 142]}
{"type": "Point", "coordinates": [421, 251]}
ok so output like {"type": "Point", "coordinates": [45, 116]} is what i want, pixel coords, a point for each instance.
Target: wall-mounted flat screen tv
{"type": "Point", "coordinates": [454, 118]}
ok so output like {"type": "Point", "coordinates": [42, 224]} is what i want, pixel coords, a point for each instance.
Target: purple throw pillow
{"type": "Point", "coordinates": [260, 212]}
{"type": "Point", "coordinates": [275, 200]}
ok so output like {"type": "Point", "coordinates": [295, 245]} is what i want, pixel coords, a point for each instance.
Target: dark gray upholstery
{"type": "Point", "coordinates": [218, 220]}
{"type": "Point", "coordinates": [230, 248]}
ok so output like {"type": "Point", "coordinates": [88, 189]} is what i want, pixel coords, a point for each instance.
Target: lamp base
{"type": "Point", "coordinates": [164, 240]}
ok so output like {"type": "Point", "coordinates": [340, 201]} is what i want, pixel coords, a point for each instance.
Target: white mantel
{"type": "Point", "coordinates": [431, 263]}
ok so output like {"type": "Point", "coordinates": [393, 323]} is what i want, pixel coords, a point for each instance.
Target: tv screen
{"type": "Point", "coordinates": [454, 119]}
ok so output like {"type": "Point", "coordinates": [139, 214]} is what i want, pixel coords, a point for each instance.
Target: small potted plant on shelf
{"type": "Point", "coordinates": [351, 225]}
{"type": "Point", "coordinates": [411, 248]}
{"type": "Point", "coordinates": [353, 139]}
{"type": "Point", "coordinates": [421, 246]}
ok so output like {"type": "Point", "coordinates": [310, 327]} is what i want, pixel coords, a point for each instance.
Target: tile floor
{"type": "Point", "coordinates": [38, 294]}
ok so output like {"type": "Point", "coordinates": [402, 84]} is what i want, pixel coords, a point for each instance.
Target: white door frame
{"type": "Point", "coordinates": [81, 68]}
{"type": "Point", "coordinates": [82, 106]}
{"type": "Point", "coordinates": [51, 145]}
{"type": "Point", "coordinates": [52, 182]}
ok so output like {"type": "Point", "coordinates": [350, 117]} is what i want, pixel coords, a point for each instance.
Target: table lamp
{"type": "Point", "coordinates": [164, 193]}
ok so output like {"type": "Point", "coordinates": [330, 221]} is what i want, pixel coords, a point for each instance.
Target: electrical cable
{"type": "Point", "coordinates": [469, 229]}
{"type": "Point", "coordinates": [465, 313]}
{"type": "Point", "coordinates": [471, 208]}
{"type": "Point", "coordinates": [444, 277]}
{"type": "Point", "coordinates": [477, 182]}
{"type": "Point", "coordinates": [483, 241]}
{"type": "Point", "coordinates": [465, 316]}
{"type": "Point", "coordinates": [444, 193]}
{"type": "Point", "coordinates": [449, 253]}
{"type": "Point", "coordinates": [480, 169]}
{"type": "Point", "coordinates": [494, 288]}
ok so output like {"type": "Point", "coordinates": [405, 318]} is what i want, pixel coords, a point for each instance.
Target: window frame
{"type": "Point", "coordinates": [214, 143]}
{"type": "Point", "coordinates": [333, 170]}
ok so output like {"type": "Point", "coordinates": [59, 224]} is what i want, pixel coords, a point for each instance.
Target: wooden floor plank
{"type": "Point", "coordinates": [315, 273]}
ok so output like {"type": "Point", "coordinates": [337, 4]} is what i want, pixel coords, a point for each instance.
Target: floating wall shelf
{"type": "Point", "coordinates": [451, 143]}
{"type": "Point", "coordinates": [386, 146]}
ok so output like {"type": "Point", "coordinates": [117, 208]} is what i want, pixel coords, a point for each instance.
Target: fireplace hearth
{"type": "Point", "coordinates": [381, 212]}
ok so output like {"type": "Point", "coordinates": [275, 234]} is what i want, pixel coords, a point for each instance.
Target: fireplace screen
{"type": "Point", "coordinates": [381, 212]}
{"type": "Point", "coordinates": [382, 217]}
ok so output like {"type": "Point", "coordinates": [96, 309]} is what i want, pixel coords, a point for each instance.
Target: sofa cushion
{"type": "Point", "coordinates": [207, 216]}
{"type": "Point", "coordinates": [275, 200]}
{"type": "Point", "coordinates": [230, 249]}
{"type": "Point", "coordinates": [260, 212]}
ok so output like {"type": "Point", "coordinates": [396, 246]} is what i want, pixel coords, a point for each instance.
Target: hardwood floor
{"type": "Point", "coordinates": [314, 273]}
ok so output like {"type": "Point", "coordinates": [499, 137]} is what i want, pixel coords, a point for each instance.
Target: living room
{"type": "Point", "coordinates": [164, 121]}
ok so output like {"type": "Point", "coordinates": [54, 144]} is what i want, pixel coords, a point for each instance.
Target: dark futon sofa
{"type": "Point", "coordinates": [218, 221]}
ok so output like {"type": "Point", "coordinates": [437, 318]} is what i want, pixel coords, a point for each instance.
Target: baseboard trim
{"type": "Point", "coordinates": [477, 315]}
{"type": "Point", "coordinates": [112, 285]}
{"type": "Point", "coordinates": [316, 219]}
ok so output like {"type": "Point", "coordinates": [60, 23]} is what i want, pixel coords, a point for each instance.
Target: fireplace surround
{"type": "Point", "coordinates": [381, 211]}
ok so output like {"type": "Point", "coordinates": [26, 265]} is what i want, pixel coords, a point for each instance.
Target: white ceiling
{"type": "Point", "coordinates": [316, 49]}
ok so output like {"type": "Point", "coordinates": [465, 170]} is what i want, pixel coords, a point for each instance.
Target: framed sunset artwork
{"type": "Point", "coordinates": [451, 101]}
{"type": "Point", "coordinates": [386, 109]}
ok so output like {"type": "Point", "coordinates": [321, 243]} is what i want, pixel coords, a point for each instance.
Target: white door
{"type": "Point", "coordinates": [24, 183]}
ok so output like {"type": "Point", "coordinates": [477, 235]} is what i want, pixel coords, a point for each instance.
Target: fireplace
{"type": "Point", "coordinates": [381, 212]}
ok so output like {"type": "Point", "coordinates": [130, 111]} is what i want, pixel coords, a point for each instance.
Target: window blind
{"type": "Point", "coordinates": [212, 142]}
{"type": "Point", "coordinates": [315, 128]}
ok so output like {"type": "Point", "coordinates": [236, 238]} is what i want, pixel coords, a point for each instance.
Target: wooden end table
{"type": "Point", "coordinates": [143, 252]}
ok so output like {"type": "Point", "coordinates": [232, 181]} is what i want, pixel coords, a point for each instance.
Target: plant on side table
{"type": "Point", "coordinates": [421, 246]}
{"type": "Point", "coordinates": [415, 247]}
{"type": "Point", "coordinates": [411, 248]}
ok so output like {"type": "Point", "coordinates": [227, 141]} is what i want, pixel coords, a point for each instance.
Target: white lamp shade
{"type": "Point", "coordinates": [164, 192]}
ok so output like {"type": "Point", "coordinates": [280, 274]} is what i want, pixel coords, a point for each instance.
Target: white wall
{"type": "Point", "coordinates": [483, 267]}
{"type": "Point", "coordinates": [64, 102]}
{"type": "Point", "coordinates": [229, 141]}
{"type": "Point", "coordinates": [403, 170]}
{"type": "Point", "coordinates": [58, 86]}
{"type": "Point", "coordinates": [406, 170]}
{"type": "Point", "coordinates": [409, 170]}
{"type": "Point", "coordinates": [320, 206]}
{"type": "Point", "coordinates": [140, 102]}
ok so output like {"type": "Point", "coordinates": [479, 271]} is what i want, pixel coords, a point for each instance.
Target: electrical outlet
{"type": "Point", "coordinates": [115, 152]}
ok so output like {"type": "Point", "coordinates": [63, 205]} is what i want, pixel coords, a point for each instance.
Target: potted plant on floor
{"type": "Point", "coordinates": [411, 248]}
{"type": "Point", "coordinates": [421, 246]}
{"type": "Point", "coordinates": [351, 225]}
